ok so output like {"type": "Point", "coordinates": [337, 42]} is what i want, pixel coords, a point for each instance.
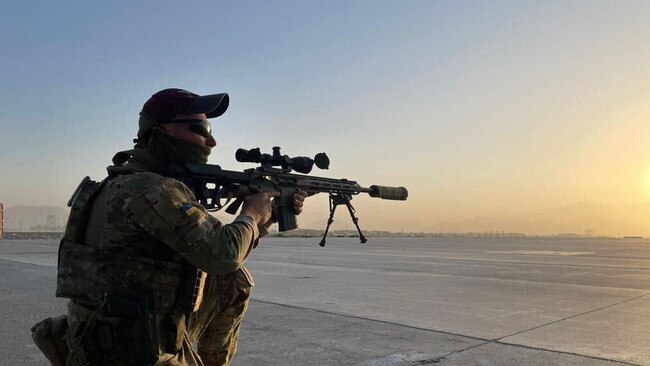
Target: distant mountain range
{"type": "Point", "coordinates": [581, 218]}
{"type": "Point", "coordinates": [35, 218]}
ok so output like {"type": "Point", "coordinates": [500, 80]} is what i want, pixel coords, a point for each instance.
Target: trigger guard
{"type": "Point", "coordinates": [217, 199]}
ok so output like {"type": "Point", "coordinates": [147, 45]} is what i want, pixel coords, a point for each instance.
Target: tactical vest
{"type": "Point", "coordinates": [88, 273]}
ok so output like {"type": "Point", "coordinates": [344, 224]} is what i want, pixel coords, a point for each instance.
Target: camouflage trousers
{"type": "Point", "coordinates": [214, 328]}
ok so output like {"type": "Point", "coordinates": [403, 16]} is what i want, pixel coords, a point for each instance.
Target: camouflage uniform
{"type": "Point", "coordinates": [145, 227]}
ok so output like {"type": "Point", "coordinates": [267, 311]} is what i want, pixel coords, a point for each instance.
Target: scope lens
{"type": "Point", "coordinates": [248, 156]}
{"type": "Point", "coordinates": [322, 161]}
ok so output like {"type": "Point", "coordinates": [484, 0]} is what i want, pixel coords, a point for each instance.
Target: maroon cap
{"type": "Point", "coordinates": [166, 104]}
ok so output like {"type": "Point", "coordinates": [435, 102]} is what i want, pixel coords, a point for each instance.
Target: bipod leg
{"type": "Point", "coordinates": [333, 205]}
{"type": "Point", "coordinates": [355, 220]}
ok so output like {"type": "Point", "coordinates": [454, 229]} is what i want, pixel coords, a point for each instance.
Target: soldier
{"type": "Point", "coordinates": [148, 271]}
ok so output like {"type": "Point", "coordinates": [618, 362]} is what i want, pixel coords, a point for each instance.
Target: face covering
{"type": "Point", "coordinates": [171, 150]}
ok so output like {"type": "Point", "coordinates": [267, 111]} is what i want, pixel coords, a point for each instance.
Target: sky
{"type": "Point", "coordinates": [501, 109]}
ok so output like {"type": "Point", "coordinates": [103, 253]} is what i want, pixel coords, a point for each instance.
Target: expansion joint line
{"type": "Point", "coordinates": [572, 317]}
{"type": "Point", "coordinates": [500, 339]}
{"type": "Point", "coordinates": [485, 342]}
{"type": "Point", "coordinates": [495, 341]}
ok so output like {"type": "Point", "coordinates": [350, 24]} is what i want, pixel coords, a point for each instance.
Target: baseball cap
{"type": "Point", "coordinates": [168, 103]}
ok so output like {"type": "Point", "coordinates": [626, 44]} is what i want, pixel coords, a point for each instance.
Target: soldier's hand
{"type": "Point", "coordinates": [258, 206]}
{"type": "Point", "coordinates": [298, 200]}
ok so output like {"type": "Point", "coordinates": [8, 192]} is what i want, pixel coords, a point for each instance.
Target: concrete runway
{"type": "Point", "coordinates": [404, 301]}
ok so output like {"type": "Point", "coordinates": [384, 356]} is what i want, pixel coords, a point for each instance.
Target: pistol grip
{"type": "Point", "coordinates": [241, 192]}
{"type": "Point", "coordinates": [283, 210]}
{"type": "Point", "coordinates": [234, 207]}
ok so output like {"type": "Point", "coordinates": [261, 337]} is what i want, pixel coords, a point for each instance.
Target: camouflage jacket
{"type": "Point", "coordinates": [146, 232]}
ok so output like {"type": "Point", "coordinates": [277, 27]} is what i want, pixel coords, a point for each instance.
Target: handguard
{"type": "Point", "coordinates": [389, 193]}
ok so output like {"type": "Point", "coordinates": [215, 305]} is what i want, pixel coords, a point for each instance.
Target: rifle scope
{"type": "Point", "coordinates": [301, 164]}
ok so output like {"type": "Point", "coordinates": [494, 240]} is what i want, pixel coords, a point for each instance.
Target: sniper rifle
{"type": "Point", "coordinates": [214, 187]}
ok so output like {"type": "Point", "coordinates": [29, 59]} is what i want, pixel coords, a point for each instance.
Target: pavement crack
{"type": "Point", "coordinates": [440, 358]}
{"type": "Point", "coordinates": [573, 316]}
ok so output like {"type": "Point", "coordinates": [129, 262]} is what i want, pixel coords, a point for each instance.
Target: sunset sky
{"type": "Point", "coordinates": [503, 110]}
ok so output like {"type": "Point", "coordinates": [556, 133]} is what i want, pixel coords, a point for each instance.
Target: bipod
{"type": "Point", "coordinates": [337, 199]}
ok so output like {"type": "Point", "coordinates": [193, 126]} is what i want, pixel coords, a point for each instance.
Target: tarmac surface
{"type": "Point", "coordinates": [403, 301]}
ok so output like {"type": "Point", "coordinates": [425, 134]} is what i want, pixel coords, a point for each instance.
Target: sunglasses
{"type": "Point", "coordinates": [199, 126]}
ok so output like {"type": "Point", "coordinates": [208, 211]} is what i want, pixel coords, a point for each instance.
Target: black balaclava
{"type": "Point", "coordinates": [171, 150]}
